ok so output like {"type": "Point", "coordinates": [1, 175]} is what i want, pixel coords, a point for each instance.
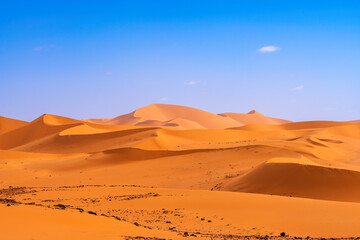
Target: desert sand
{"type": "Point", "coordinates": [174, 172]}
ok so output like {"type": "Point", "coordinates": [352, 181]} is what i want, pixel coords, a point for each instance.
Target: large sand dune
{"type": "Point", "coordinates": [169, 171]}
{"type": "Point", "coordinates": [8, 124]}
{"type": "Point", "coordinates": [186, 118]}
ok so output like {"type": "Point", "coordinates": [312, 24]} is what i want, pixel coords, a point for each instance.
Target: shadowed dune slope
{"type": "Point", "coordinates": [8, 124]}
{"type": "Point", "coordinates": [159, 166]}
{"type": "Point", "coordinates": [299, 178]}
{"type": "Point", "coordinates": [39, 128]}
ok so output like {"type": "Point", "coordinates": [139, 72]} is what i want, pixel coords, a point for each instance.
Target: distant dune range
{"type": "Point", "coordinates": [181, 151]}
{"type": "Point", "coordinates": [186, 118]}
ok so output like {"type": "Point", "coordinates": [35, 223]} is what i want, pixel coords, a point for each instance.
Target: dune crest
{"type": "Point", "coordinates": [182, 117]}
{"type": "Point", "coordinates": [164, 169]}
{"type": "Point", "coordinates": [8, 124]}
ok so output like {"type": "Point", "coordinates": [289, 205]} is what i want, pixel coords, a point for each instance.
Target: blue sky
{"type": "Point", "coordinates": [298, 60]}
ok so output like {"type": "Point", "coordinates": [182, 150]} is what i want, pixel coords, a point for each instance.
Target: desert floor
{"type": "Point", "coordinates": [165, 173]}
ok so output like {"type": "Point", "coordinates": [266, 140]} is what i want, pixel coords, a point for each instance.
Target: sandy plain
{"type": "Point", "coordinates": [174, 172]}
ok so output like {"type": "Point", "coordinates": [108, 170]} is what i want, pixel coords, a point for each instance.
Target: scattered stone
{"type": "Point", "coordinates": [209, 221]}
{"type": "Point", "coordinates": [91, 212]}
{"type": "Point", "coordinates": [136, 224]}
{"type": "Point", "coordinates": [8, 205]}
{"type": "Point", "coordinates": [104, 215]}
{"type": "Point", "coordinates": [186, 234]}
{"type": "Point", "coordinates": [80, 209]}
{"type": "Point", "coordinates": [61, 206]}
{"type": "Point", "coordinates": [282, 234]}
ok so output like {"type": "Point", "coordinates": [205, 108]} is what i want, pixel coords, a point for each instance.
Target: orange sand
{"type": "Point", "coordinates": [168, 171]}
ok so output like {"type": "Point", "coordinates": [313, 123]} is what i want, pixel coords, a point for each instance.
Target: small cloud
{"type": "Point", "coordinates": [164, 99]}
{"type": "Point", "coordinates": [298, 88]}
{"type": "Point", "coordinates": [192, 82]}
{"type": "Point", "coordinates": [108, 73]}
{"type": "Point", "coordinates": [39, 48]}
{"type": "Point", "coordinates": [42, 48]}
{"type": "Point", "coordinates": [268, 49]}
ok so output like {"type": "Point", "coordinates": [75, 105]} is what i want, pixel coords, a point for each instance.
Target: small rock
{"type": "Point", "coordinates": [61, 206]}
{"type": "Point", "coordinates": [136, 224]}
{"type": "Point", "coordinates": [91, 212]}
{"type": "Point", "coordinates": [80, 209]}
{"type": "Point", "coordinates": [282, 234]}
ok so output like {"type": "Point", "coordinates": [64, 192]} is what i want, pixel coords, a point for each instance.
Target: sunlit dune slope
{"type": "Point", "coordinates": [166, 115]}
{"type": "Point", "coordinates": [186, 118]}
{"type": "Point", "coordinates": [176, 148]}
{"type": "Point", "coordinates": [253, 117]}
{"type": "Point", "coordinates": [40, 128]}
{"type": "Point", "coordinates": [43, 224]}
{"type": "Point", "coordinates": [8, 124]}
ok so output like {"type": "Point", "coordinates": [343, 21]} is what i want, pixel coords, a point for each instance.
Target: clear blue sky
{"type": "Point", "coordinates": [91, 59]}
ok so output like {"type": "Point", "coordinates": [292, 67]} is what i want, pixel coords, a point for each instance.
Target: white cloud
{"type": "Point", "coordinates": [108, 73]}
{"type": "Point", "coordinates": [192, 82]}
{"type": "Point", "coordinates": [164, 99]}
{"type": "Point", "coordinates": [268, 49]}
{"type": "Point", "coordinates": [298, 88]}
{"type": "Point", "coordinates": [46, 47]}
{"type": "Point", "coordinates": [39, 48]}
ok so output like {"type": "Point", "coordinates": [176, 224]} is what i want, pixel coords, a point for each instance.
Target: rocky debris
{"type": "Point", "coordinates": [91, 212]}
{"type": "Point", "coordinates": [80, 209]}
{"type": "Point", "coordinates": [60, 206]}
{"type": "Point", "coordinates": [8, 201]}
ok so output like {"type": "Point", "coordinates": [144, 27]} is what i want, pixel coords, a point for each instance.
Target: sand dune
{"type": "Point", "coordinates": [8, 124]}
{"type": "Point", "coordinates": [186, 118]}
{"type": "Point", "coordinates": [299, 178]}
{"type": "Point", "coordinates": [254, 117]}
{"type": "Point", "coordinates": [180, 151]}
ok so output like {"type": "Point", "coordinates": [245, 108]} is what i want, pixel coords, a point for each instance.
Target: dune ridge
{"type": "Point", "coordinates": [186, 118]}
{"type": "Point", "coordinates": [178, 151]}
{"type": "Point", "coordinates": [8, 124]}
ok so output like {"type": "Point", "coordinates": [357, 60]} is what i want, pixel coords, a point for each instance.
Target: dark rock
{"type": "Point", "coordinates": [186, 234]}
{"type": "Point", "coordinates": [136, 224]}
{"type": "Point", "coordinates": [91, 212]}
{"type": "Point", "coordinates": [61, 206]}
{"type": "Point", "coordinates": [80, 209]}
{"type": "Point", "coordinates": [104, 215]}
{"type": "Point", "coordinates": [282, 234]}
